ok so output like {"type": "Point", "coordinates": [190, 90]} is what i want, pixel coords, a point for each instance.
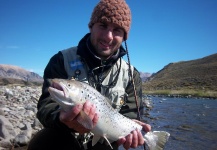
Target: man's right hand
{"type": "Point", "coordinates": [70, 118]}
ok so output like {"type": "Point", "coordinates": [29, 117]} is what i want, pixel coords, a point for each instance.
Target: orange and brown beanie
{"type": "Point", "coordinates": [112, 11]}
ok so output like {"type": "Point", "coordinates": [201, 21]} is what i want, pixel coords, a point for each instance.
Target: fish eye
{"type": "Point", "coordinates": [69, 85]}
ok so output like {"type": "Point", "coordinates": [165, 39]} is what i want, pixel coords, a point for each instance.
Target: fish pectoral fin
{"type": "Point", "coordinates": [156, 140]}
{"type": "Point", "coordinates": [85, 120]}
{"type": "Point", "coordinates": [96, 138]}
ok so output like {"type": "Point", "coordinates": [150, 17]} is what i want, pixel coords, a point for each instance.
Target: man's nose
{"type": "Point", "coordinates": [109, 35]}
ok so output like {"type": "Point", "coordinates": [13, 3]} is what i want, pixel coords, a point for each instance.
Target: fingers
{"type": "Point", "coordinates": [70, 115]}
{"type": "Point", "coordinates": [95, 119]}
{"type": "Point", "coordinates": [134, 143]}
{"type": "Point", "coordinates": [121, 141]}
{"type": "Point", "coordinates": [89, 109]}
{"type": "Point", "coordinates": [128, 142]}
{"type": "Point", "coordinates": [145, 127]}
{"type": "Point", "coordinates": [140, 138]}
{"type": "Point", "coordinates": [133, 140]}
{"type": "Point", "coordinates": [70, 118]}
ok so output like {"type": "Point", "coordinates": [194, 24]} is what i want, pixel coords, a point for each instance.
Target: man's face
{"type": "Point", "coordinates": [106, 39]}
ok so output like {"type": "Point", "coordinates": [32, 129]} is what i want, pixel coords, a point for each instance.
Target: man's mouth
{"type": "Point", "coordinates": [105, 45]}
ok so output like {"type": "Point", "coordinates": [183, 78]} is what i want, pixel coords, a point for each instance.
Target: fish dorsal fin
{"type": "Point", "coordinates": [85, 120]}
{"type": "Point", "coordinates": [156, 140]}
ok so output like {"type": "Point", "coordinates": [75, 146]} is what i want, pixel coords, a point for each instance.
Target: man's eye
{"type": "Point", "coordinates": [117, 30]}
{"type": "Point", "coordinates": [103, 26]}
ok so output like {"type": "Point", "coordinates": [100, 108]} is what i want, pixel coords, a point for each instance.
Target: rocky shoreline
{"type": "Point", "coordinates": [18, 123]}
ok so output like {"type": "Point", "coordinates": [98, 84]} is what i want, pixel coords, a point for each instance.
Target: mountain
{"type": "Point", "coordinates": [198, 74]}
{"type": "Point", "coordinates": [145, 75]}
{"type": "Point", "coordinates": [10, 74]}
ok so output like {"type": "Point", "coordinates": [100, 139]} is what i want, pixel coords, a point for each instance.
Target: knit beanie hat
{"type": "Point", "coordinates": [112, 11]}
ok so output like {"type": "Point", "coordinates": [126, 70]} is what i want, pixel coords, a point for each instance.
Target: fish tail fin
{"type": "Point", "coordinates": [156, 140]}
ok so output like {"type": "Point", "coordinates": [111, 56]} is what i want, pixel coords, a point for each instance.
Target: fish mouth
{"type": "Point", "coordinates": [60, 94]}
{"type": "Point", "coordinates": [56, 88]}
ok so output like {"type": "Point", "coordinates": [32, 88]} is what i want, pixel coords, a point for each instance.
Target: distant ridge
{"type": "Point", "coordinates": [144, 75]}
{"type": "Point", "coordinates": [10, 74]}
{"type": "Point", "coordinates": [199, 74]}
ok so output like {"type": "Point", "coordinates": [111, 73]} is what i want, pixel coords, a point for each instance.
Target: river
{"type": "Point", "coordinates": [191, 122]}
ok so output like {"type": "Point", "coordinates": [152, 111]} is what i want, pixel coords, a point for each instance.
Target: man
{"type": "Point", "coordinates": [97, 60]}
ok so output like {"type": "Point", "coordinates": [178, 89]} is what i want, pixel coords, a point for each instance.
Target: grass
{"type": "Point", "coordinates": [184, 92]}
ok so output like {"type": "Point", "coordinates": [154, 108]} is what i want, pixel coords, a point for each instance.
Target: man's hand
{"type": "Point", "coordinates": [71, 117]}
{"type": "Point", "coordinates": [135, 138]}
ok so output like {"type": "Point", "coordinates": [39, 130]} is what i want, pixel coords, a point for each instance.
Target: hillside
{"type": "Point", "coordinates": [199, 74]}
{"type": "Point", "coordinates": [10, 74]}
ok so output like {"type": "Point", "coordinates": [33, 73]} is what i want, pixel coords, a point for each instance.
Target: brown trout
{"type": "Point", "coordinates": [111, 124]}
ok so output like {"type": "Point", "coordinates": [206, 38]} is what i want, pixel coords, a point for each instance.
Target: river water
{"type": "Point", "coordinates": [191, 122]}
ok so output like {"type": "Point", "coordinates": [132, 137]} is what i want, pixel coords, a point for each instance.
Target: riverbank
{"type": "Point", "coordinates": [185, 93]}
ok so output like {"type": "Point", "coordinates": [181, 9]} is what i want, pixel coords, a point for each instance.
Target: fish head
{"type": "Point", "coordinates": [64, 92]}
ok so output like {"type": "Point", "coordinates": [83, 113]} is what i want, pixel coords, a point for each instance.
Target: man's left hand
{"type": "Point", "coordinates": [135, 138]}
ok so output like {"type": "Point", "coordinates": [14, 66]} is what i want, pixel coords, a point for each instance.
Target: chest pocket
{"type": "Point", "coordinates": [74, 67]}
{"type": "Point", "coordinates": [117, 94]}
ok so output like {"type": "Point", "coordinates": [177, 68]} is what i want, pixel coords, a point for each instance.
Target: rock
{"type": "Point", "coordinates": [8, 93]}
{"type": "Point", "coordinates": [2, 113]}
{"type": "Point", "coordinates": [18, 108]}
{"type": "Point", "coordinates": [5, 144]}
{"type": "Point", "coordinates": [21, 139]}
{"type": "Point", "coordinates": [36, 123]}
{"type": "Point", "coordinates": [6, 129]}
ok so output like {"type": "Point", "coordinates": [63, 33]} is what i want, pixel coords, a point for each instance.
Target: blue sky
{"type": "Point", "coordinates": [162, 31]}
